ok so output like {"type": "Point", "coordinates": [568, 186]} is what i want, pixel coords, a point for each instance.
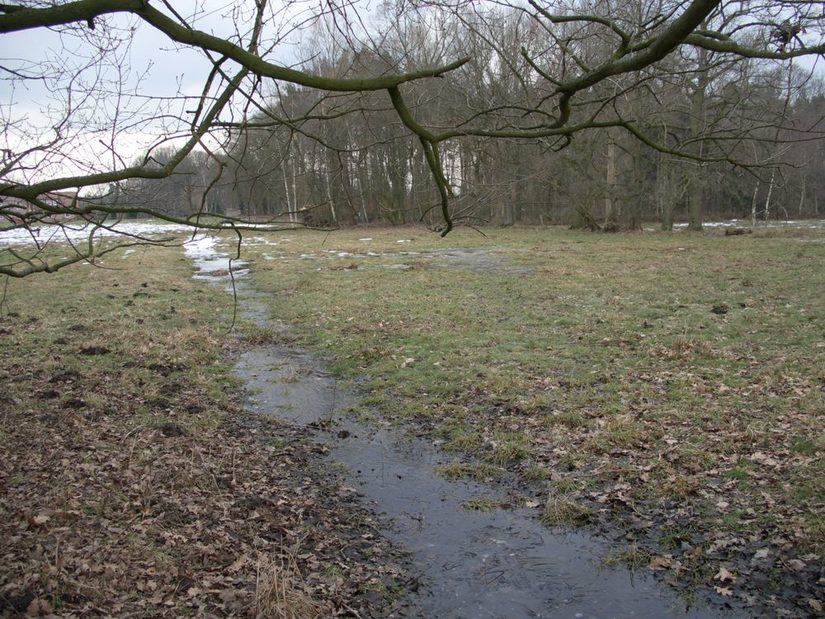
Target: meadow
{"type": "Point", "coordinates": [672, 385]}
{"type": "Point", "coordinates": [665, 390]}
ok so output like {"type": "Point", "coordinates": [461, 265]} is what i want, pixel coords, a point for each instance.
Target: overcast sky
{"type": "Point", "coordinates": [150, 66]}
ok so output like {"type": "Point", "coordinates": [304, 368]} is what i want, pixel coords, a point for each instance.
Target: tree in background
{"type": "Point", "coordinates": [447, 112]}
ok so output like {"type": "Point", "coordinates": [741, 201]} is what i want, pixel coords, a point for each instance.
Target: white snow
{"type": "Point", "coordinates": [201, 247]}
{"type": "Point", "coordinates": [70, 232]}
{"type": "Point", "coordinates": [746, 223]}
{"type": "Point", "coordinates": [203, 251]}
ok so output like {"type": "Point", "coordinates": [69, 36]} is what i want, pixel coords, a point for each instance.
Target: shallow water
{"type": "Point", "coordinates": [290, 384]}
{"type": "Point", "coordinates": [473, 564]}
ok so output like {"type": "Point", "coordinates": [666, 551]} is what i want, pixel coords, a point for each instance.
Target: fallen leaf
{"type": "Point", "coordinates": [39, 607]}
{"type": "Point", "coordinates": [815, 604]}
{"type": "Point", "coordinates": [765, 459]}
{"type": "Point", "coordinates": [725, 591]}
{"type": "Point", "coordinates": [725, 575]}
{"type": "Point", "coordinates": [228, 595]}
{"type": "Point", "coordinates": [660, 562]}
{"type": "Point", "coordinates": [797, 564]}
{"type": "Point", "coordinates": [761, 554]}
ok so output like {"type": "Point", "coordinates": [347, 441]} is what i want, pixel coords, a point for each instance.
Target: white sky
{"type": "Point", "coordinates": [149, 67]}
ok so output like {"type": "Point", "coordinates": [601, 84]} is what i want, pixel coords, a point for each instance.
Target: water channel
{"type": "Point", "coordinates": [500, 564]}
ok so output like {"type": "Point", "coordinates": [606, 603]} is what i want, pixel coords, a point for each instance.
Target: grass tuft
{"type": "Point", "coordinates": [562, 510]}
{"type": "Point", "coordinates": [481, 504]}
{"type": "Point", "coordinates": [479, 471]}
{"type": "Point", "coordinates": [280, 594]}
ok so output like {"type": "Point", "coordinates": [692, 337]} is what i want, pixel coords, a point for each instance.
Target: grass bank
{"type": "Point", "coordinates": [668, 384]}
{"type": "Point", "coordinates": [132, 484]}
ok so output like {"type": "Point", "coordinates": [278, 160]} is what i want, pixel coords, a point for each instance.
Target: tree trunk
{"type": "Point", "coordinates": [665, 198]}
{"type": "Point", "coordinates": [768, 198]}
{"type": "Point", "coordinates": [610, 220]}
{"type": "Point", "coordinates": [753, 205]}
{"type": "Point", "coordinates": [697, 126]}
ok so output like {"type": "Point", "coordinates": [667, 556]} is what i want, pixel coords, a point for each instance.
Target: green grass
{"type": "Point", "coordinates": [603, 356]}
{"type": "Point", "coordinates": [563, 510]}
{"type": "Point", "coordinates": [632, 555]}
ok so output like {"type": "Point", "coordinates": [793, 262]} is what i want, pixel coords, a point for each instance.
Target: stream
{"type": "Point", "coordinates": [472, 564]}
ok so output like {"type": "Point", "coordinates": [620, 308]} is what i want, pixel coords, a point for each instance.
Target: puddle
{"type": "Point", "coordinates": [476, 260]}
{"type": "Point", "coordinates": [502, 564]}
{"type": "Point", "coordinates": [289, 384]}
{"type": "Point", "coordinates": [480, 259]}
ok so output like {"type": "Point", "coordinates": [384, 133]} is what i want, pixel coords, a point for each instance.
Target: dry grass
{"type": "Point", "coordinates": [562, 510]}
{"type": "Point", "coordinates": [281, 593]}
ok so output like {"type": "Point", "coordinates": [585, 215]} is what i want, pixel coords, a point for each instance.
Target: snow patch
{"type": "Point", "coordinates": [213, 264]}
{"type": "Point", "coordinates": [73, 233]}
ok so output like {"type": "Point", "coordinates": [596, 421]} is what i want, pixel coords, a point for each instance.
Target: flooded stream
{"type": "Point", "coordinates": [500, 564]}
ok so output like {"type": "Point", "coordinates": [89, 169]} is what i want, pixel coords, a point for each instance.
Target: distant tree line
{"type": "Point", "coordinates": [751, 128]}
{"type": "Point", "coordinates": [595, 113]}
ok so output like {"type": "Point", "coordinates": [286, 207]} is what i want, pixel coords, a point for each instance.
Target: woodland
{"type": "Point", "coordinates": [602, 114]}
{"type": "Point", "coordinates": [718, 138]}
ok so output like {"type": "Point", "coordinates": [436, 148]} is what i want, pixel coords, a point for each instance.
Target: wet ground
{"type": "Point", "coordinates": [499, 564]}
{"type": "Point", "coordinates": [472, 564]}
{"type": "Point", "coordinates": [473, 259]}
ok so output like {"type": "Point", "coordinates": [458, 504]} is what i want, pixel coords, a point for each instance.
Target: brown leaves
{"type": "Point", "coordinates": [171, 535]}
{"type": "Point", "coordinates": [661, 562]}
{"type": "Point", "coordinates": [154, 498]}
{"type": "Point", "coordinates": [725, 575]}
{"type": "Point", "coordinates": [40, 520]}
{"type": "Point", "coordinates": [39, 607]}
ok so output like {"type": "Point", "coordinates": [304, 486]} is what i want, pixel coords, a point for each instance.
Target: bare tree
{"type": "Point", "coordinates": [575, 67]}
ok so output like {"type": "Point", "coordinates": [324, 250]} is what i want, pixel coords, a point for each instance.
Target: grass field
{"type": "Point", "coordinates": [672, 384]}
{"type": "Point", "coordinates": [665, 389]}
